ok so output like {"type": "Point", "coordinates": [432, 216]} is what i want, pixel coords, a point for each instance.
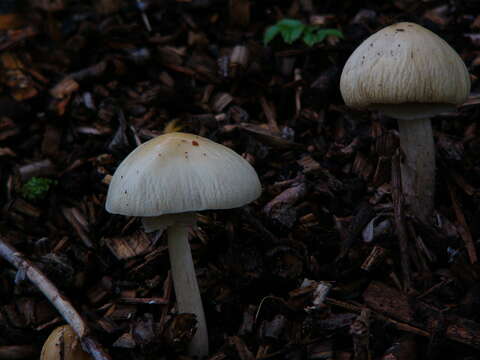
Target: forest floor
{"type": "Point", "coordinates": [327, 264]}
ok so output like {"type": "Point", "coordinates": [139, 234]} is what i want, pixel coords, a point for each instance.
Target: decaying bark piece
{"type": "Point", "coordinates": [376, 257]}
{"type": "Point", "coordinates": [363, 215]}
{"type": "Point", "coordinates": [126, 247]}
{"type": "Point", "coordinates": [392, 303]}
{"type": "Point", "coordinates": [403, 349]}
{"type": "Point", "coordinates": [14, 352]}
{"type": "Point", "coordinates": [360, 330]}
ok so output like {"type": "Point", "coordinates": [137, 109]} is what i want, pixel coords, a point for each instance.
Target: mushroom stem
{"type": "Point", "coordinates": [186, 287]}
{"type": "Point", "coordinates": [418, 167]}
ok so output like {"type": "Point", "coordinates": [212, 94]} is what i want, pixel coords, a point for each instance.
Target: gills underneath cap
{"type": "Point", "coordinates": [412, 110]}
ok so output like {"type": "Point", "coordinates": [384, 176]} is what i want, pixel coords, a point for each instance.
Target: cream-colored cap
{"type": "Point", "coordinates": [178, 172]}
{"type": "Point", "coordinates": [405, 64]}
{"type": "Point", "coordinates": [63, 344]}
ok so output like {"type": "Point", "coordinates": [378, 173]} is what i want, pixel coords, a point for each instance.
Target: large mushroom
{"type": "Point", "coordinates": [165, 181]}
{"type": "Point", "coordinates": [411, 74]}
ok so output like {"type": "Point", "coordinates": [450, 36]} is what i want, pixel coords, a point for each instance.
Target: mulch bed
{"type": "Point", "coordinates": [327, 264]}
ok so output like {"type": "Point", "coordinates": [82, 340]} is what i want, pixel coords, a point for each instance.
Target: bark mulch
{"type": "Point", "coordinates": [327, 264]}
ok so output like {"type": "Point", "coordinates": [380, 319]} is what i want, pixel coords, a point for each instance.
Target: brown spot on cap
{"type": "Point", "coordinates": [194, 143]}
{"type": "Point", "coordinates": [399, 30]}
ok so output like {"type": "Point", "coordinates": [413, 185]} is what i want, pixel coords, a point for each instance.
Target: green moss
{"type": "Point", "coordinates": [37, 188]}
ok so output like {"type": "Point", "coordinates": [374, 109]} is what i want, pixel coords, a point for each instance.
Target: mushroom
{"type": "Point", "coordinates": [63, 344]}
{"type": "Point", "coordinates": [411, 74]}
{"type": "Point", "coordinates": [165, 181]}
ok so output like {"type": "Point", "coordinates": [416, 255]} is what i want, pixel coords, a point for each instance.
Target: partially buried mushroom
{"type": "Point", "coordinates": [63, 344]}
{"type": "Point", "coordinates": [165, 181]}
{"type": "Point", "coordinates": [410, 74]}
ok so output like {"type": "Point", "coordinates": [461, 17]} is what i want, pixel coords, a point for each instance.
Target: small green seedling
{"type": "Point", "coordinates": [36, 188]}
{"type": "Point", "coordinates": [292, 29]}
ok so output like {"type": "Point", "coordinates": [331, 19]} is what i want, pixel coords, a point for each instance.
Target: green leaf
{"type": "Point", "coordinates": [291, 34]}
{"type": "Point", "coordinates": [292, 29]}
{"type": "Point", "coordinates": [309, 38]}
{"type": "Point", "coordinates": [323, 33]}
{"type": "Point", "coordinates": [289, 23]}
{"type": "Point", "coordinates": [270, 33]}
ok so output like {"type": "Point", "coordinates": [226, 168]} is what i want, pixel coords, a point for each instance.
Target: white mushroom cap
{"type": "Point", "coordinates": [178, 172]}
{"type": "Point", "coordinates": [405, 64]}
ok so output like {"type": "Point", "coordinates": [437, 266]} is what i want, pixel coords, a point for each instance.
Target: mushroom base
{"type": "Point", "coordinates": [186, 287]}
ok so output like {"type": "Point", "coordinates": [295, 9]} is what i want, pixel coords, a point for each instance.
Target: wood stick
{"type": "Point", "coordinates": [464, 231]}
{"type": "Point", "coordinates": [398, 202]}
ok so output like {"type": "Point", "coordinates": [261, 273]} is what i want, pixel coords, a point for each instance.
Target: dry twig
{"type": "Point", "coordinates": [398, 202]}
{"type": "Point", "coordinates": [463, 228]}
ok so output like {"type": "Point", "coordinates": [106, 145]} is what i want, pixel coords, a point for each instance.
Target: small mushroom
{"type": "Point", "coordinates": [165, 181]}
{"type": "Point", "coordinates": [411, 74]}
{"type": "Point", "coordinates": [63, 344]}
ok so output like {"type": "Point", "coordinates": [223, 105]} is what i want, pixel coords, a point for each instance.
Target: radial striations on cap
{"type": "Point", "coordinates": [404, 64]}
{"type": "Point", "coordinates": [180, 172]}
